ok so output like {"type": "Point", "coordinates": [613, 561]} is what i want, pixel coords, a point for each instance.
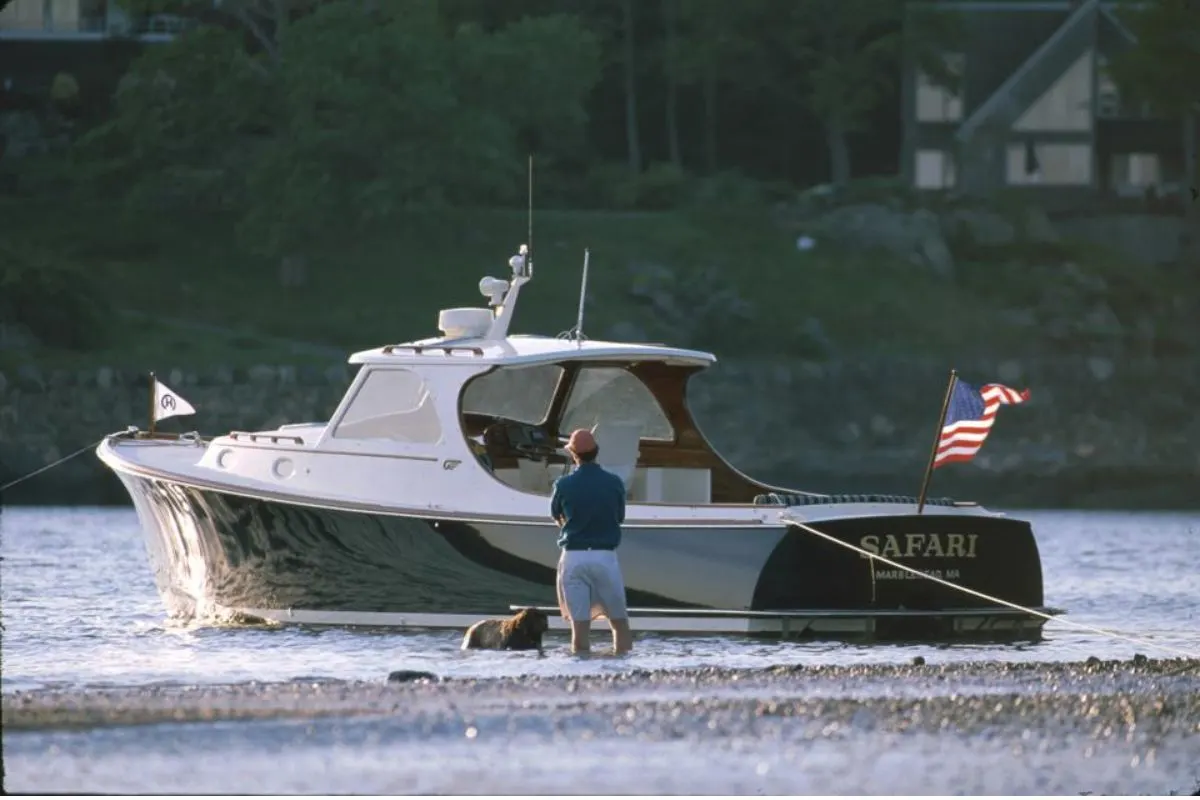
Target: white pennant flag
{"type": "Point", "coordinates": [169, 404]}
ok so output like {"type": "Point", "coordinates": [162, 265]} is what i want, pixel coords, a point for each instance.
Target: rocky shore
{"type": "Point", "coordinates": [964, 728]}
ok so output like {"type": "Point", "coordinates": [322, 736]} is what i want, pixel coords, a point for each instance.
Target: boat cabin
{"type": "Point", "coordinates": [514, 403]}
{"type": "Point", "coordinates": [508, 403]}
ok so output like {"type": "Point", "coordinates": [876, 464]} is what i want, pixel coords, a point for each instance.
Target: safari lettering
{"type": "Point", "coordinates": [923, 545]}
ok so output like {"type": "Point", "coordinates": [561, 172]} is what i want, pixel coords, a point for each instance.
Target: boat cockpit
{"type": "Point", "coordinates": [517, 417]}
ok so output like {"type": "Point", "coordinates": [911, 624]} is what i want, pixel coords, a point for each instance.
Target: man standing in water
{"type": "Point", "coordinates": [589, 507]}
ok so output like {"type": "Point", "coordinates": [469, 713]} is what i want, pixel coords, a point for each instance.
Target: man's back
{"type": "Point", "coordinates": [593, 502]}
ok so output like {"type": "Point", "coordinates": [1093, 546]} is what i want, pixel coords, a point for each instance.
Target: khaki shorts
{"type": "Point", "coordinates": [590, 585]}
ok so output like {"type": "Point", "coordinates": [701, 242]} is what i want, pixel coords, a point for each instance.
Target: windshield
{"type": "Point", "coordinates": [613, 395]}
{"type": "Point", "coordinates": [523, 394]}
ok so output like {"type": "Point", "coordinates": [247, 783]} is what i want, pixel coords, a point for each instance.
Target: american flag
{"type": "Point", "coordinates": [969, 418]}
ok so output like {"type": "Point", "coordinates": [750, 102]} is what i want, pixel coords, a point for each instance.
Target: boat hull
{"type": "Point", "coordinates": [216, 552]}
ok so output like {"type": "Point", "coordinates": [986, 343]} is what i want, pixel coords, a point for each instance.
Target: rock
{"type": "Point", "coordinates": [1103, 321]}
{"type": "Point", "coordinates": [105, 378]}
{"type": "Point", "coordinates": [223, 376]}
{"type": "Point", "coordinates": [1101, 368]}
{"type": "Point", "coordinates": [815, 335]}
{"type": "Point", "coordinates": [408, 675]}
{"type": "Point", "coordinates": [336, 375]}
{"type": "Point", "coordinates": [1085, 280]}
{"type": "Point", "coordinates": [287, 375]}
{"type": "Point", "coordinates": [918, 661]}
{"type": "Point", "coordinates": [1038, 227]}
{"type": "Point", "coordinates": [175, 376]}
{"type": "Point", "coordinates": [882, 426]}
{"type": "Point", "coordinates": [931, 245]}
{"type": "Point", "coordinates": [915, 237]}
{"type": "Point", "coordinates": [30, 378]}
{"type": "Point", "coordinates": [982, 227]}
{"type": "Point", "coordinates": [261, 375]}
{"type": "Point", "coordinates": [3, 384]}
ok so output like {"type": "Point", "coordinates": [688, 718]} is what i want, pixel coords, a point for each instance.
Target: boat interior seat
{"type": "Point", "coordinates": [618, 442]}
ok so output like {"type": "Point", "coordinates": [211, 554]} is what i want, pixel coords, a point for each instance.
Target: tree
{"type": "Point", "coordinates": [632, 135]}
{"type": "Point", "coordinates": [840, 58]}
{"type": "Point", "coordinates": [1161, 70]}
{"type": "Point", "coordinates": [717, 41]}
{"type": "Point", "coordinates": [670, 57]}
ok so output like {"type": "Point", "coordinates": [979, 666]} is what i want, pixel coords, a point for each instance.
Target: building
{"type": "Point", "coordinates": [1035, 109]}
{"type": "Point", "coordinates": [80, 20]}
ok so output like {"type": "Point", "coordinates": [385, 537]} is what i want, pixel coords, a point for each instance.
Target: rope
{"type": "Point", "coordinates": [1049, 617]}
{"type": "Point", "coordinates": [62, 460]}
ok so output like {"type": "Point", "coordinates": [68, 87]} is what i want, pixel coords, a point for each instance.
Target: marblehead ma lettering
{"type": "Point", "coordinates": [918, 545]}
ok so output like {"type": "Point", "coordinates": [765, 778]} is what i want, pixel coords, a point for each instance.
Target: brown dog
{"type": "Point", "coordinates": [521, 631]}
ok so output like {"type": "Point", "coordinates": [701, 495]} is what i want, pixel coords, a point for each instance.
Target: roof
{"type": "Point", "coordinates": [1005, 83]}
{"type": "Point", "coordinates": [524, 349]}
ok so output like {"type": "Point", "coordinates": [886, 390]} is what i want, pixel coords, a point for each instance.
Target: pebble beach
{"type": "Point", "coordinates": [1100, 727]}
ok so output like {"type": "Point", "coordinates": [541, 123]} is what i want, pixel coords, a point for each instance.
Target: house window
{"type": "Point", "coordinates": [1132, 173]}
{"type": "Point", "coordinates": [391, 404]}
{"type": "Point", "coordinates": [934, 169]}
{"type": "Point", "coordinates": [937, 103]}
{"type": "Point", "coordinates": [1066, 105]}
{"type": "Point", "coordinates": [1050, 164]}
{"type": "Point", "coordinates": [23, 15]}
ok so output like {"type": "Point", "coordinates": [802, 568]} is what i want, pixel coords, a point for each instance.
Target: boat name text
{"type": "Point", "coordinates": [923, 545]}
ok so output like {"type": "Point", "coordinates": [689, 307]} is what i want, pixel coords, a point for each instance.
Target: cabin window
{"type": "Point", "coordinates": [391, 404]}
{"type": "Point", "coordinates": [614, 395]}
{"type": "Point", "coordinates": [522, 394]}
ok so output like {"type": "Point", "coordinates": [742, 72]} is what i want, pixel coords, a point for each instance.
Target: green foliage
{"type": "Point", "coordinates": [345, 116]}
{"type": "Point", "coordinates": [184, 117]}
{"type": "Point", "coordinates": [61, 305]}
{"type": "Point", "coordinates": [1167, 50]}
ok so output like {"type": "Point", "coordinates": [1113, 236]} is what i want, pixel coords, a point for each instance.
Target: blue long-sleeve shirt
{"type": "Point", "coordinates": [593, 502]}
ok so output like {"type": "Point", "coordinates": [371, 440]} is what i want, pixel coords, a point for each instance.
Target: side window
{"type": "Point", "coordinates": [611, 394]}
{"type": "Point", "coordinates": [391, 404]}
{"type": "Point", "coordinates": [518, 393]}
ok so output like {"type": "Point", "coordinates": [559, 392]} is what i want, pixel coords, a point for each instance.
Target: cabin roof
{"type": "Point", "coordinates": [524, 349]}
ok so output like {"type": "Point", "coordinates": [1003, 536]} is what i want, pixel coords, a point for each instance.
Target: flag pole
{"type": "Point", "coordinates": [152, 382]}
{"type": "Point", "coordinates": [937, 437]}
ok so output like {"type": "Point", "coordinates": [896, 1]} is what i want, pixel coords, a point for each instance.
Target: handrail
{"type": "Point", "coordinates": [273, 437]}
{"type": "Point", "coordinates": [419, 349]}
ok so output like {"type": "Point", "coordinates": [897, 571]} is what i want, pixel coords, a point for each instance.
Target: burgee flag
{"type": "Point", "coordinates": [169, 404]}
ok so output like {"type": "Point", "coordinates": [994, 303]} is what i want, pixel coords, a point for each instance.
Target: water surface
{"type": "Point", "coordinates": [80, 608]}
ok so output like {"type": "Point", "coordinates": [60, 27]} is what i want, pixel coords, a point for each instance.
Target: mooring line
{"type": "Point", "coordinates": [1035, 612]}
{"type": "Point", "coordinates": [62, 460]}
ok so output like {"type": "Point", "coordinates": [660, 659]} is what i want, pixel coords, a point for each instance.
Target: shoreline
{"type": "Point", "coordinates": [975, 692]}
{"type": "Point", "coordinates": [986, 728]}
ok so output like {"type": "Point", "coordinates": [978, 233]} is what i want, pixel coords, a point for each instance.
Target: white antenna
{"type": "Point", "coordinates": [582, 298]}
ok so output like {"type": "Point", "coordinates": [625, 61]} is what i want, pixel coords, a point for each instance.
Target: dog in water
{"type": "Point", "coordinates": [521, 631]}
